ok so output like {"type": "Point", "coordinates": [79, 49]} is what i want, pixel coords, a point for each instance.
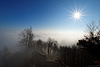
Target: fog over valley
{"type": "Point", "coordinates": [9, 38]}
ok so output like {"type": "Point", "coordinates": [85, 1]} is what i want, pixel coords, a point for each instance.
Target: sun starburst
{"type": "Point", "coordinates": [76, 14]}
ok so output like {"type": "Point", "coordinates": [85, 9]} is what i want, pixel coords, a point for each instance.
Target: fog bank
{"type": "Point", "coordinates": [9, 38]}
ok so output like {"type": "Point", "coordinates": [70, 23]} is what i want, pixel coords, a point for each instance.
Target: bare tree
{"type": "Point", "coordinates": [39, 45]}
{"type": "Point", "coordinates": [52, 48]}
{"type": "Point", "coordinates": [26, 40]}
{"type": "Point", "coordinates": [92, 29]}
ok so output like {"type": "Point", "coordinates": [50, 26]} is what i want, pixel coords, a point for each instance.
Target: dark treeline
{"type": "Point", "coordinates": [70, 56]}
{"type": "Point", "coordinates": [91, 42]}
{"type": "Point", "coordinates": [39, 53]}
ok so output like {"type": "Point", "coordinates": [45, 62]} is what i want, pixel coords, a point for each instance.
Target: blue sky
{"type": "Point", "coordinates": [46, 14]}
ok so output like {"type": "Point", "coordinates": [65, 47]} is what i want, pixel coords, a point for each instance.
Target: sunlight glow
{"type": "Point", "coordinates": [77, 14]}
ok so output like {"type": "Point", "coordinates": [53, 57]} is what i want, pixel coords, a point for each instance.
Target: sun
{"type": "Point", "coordinates": [76, 14]}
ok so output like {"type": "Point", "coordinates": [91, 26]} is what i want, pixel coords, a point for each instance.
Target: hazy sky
{"type": "Point", "coordinates": [49, 15]}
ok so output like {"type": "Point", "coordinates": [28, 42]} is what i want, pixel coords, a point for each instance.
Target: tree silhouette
{"type": "Point", "coordinates": [52, 47]}
{"type": "Point", "coordinates": [73, 57]}
{"type": "Point", "coordinates": [39, 45]}
{"type": "Point", "coordinates": [26, 40]}
{"type": "Point", "coordinates": [91, 42]}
